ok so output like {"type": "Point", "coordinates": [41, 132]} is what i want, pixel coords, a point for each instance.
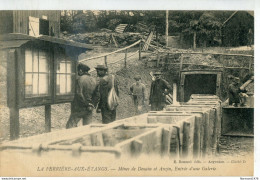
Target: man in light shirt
{"type": "Point", "coordinates": [138, 92]}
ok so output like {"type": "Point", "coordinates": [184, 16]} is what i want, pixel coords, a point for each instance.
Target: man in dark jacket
{"type": "Point", "coordinates": [234, 92]}
{"type": "Point", "coordinates": [159, 88]}
{"type": "Point", "coordinates": [105, 85]}
{"type": "Point", "coordinates": [85, 99]}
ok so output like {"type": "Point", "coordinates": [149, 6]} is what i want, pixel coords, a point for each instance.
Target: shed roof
{"type": "Point", "coordinates": [17, 39]}
{"type": "Point", "coordinates": [232, 15]}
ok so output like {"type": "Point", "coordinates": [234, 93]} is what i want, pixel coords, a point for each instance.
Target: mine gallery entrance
{"type": "Point", "coordinates": [199, 83]}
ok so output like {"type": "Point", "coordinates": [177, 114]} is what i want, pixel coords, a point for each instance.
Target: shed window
{"type": "Point", "coordinates": [64, 75]}
{"type": "Point", "coordinates": [37, 73]}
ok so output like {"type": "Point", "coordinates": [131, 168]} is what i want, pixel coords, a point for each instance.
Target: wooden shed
{"type": "Point", "coordinates": [40, 67]}
{"type": "Point", "coordinates": [238, 29]}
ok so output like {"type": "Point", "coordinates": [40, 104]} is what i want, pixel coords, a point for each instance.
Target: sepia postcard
{"type": "Point", "coordinates": [140, 88]}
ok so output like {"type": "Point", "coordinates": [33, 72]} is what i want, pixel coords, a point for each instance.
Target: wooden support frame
{"type": "Point", "coordinates": [185, 73]}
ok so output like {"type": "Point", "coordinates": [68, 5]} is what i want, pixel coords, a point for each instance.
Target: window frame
{"type": "Point", "coordinates": [52, 97]}
{"type": "Point", "coordinates": [61, 98]}
{"type": "Point", "coordinates": [24, 101]}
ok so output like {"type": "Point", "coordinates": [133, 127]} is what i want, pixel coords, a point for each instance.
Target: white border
{"type": "Point", "coordinates": [158, 5]}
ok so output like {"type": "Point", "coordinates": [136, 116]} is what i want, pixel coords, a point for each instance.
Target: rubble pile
{"type": "Point", "coordinates": [106, 39]}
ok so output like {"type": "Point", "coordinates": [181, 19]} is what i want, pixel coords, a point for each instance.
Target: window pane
{"type": "Point", "coordinates": [68, 67]}
{"type": "Point", "coordinates": [43, 83]}
{"type": "Point", "coordinates": [28, 60]}
{"type": "Point", "coordinates": [43, 62]}
{"type": "Point", "coordinates": [69, 77]}
{"type": "Point", "coordinates": [61, 87]}
{"type": "Point", "coordinates": [28, 84]}
{"type": "Point", "coordinates": [35, 84]}
{"type": "Point", "coordinates": [62, 67]}
{"type": "Point", "coordinates": [35, 61]}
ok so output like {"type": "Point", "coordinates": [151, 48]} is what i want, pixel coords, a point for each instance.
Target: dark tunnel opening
{"type": "Point", "coordinates": [199, 84]}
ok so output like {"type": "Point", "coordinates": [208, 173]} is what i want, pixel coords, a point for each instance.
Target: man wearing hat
{"type": "Point", "coordinates": [105, 85]}
{"type": "Point", "coordinates": [159, 89]}
{"type": "Point", "coordinates": [138, 92]}
{"type": "Point", "coordinates": [85, 99]}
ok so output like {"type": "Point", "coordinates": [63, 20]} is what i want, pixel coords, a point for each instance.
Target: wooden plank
{"type": "Point", "coordinates": [119, 50]}
{"type": "Point", "coordinates": [186, 139]}
{"type": "Point", "coordinates": [47, 118]}
{"type": "Point", "coordinates": [206, 139]}
{"type": "Point", "coordinates": [114, 40]}
{"type": "Point", "coordinates": [140, 50]}
{"type": "Point", "coordinates": [148, 41]}
{"type": "Point", "coordinates": [175, 143]}
{"type": "Point", "coordinates": [158, 59]}
{"type": "Point", "coordinates": [136, 147]}
{"type": "Point", "coordinates": [105, 58]}
{"type": "Point", "coordinates": [125, 57]}
{"type": "Point", "coordinates": [97, 139]}
{"type": "Point", "coordinates": [166, 138]}
{"type": "Point", "coordinates": [196, 146]}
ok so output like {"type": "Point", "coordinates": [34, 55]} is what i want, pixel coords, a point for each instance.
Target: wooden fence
{"type": "Point", "coordinates": [125, 50]}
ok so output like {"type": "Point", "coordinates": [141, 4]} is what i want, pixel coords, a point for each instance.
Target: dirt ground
{"type": "Point", "coordinates": [235, 146]}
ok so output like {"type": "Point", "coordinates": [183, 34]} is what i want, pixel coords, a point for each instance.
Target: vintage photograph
{"type": "Point", "coordinates": [127, 93]}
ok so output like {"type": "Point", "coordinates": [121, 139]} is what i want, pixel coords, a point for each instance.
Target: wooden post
{"type": "Point", "coordinates": [125, 57]}
{"type": "Point", "coordinates": [167, 27]}
{"type": "Point", "coordinates": [186, 133]}
{"type": "Point", "coordinates": [12, 86]}
{"type": "Point", "coordinates": [14, 123]}
{"type": "Point", "coordinates": [47, 118]}
{"type": "Point", "coordinates": [140, 50]}
{"type": "Point", "coordinates": [194, 40]}
{"type": "Point", "coordinates": [174, 94]}
{"type": "Point", "coordinates": [105, 60]}
{"type": "Point", "coordinates": [250, 65]}
{"type": "Point", "coordinates": [181, 62]}
{"type": "Point", "coordinates": [158, 58]}
{"type": "Point", "coordinates": [196, 145]}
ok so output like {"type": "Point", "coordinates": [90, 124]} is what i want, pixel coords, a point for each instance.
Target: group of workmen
{"type": "Point", "coordinates": [93, 93]}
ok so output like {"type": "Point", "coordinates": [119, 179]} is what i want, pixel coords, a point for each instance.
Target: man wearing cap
{"type": "Point", "coordinates": [234, 91]}
{"type": "Point", "coordinates": [138, 92]}
{"type": "Point", "coordinates": [85, 99]}
{"type": "Point", "coordinates": [159, 88]}
{"type": "Point", "coordinates": [105, 85]}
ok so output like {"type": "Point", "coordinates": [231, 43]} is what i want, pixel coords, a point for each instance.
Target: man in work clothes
{"type": "Point", "coordinates": [85, 99]}
{"type": "Point", "coordinates": [138, 92]}
{"type": "Point", "coordinates": [105, 85]}
{"type": "Point", "coordinates": [159, 88]}
{"type": "Point", "coordinates": [234, 92]}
